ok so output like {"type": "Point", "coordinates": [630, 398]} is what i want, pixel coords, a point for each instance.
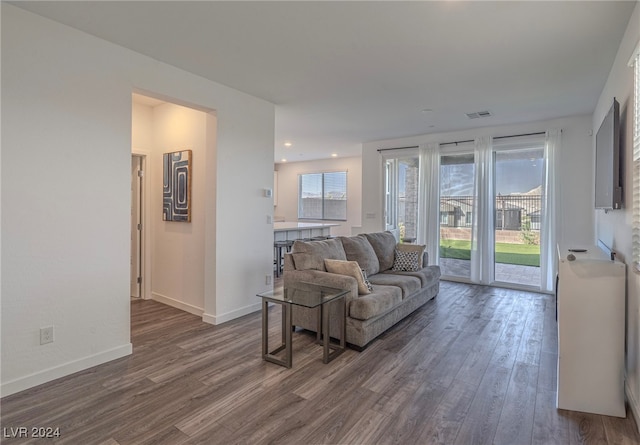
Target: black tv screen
{"type": "Point", "coordinates": [607, 180]}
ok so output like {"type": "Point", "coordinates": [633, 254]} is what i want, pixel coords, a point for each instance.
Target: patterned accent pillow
{"type": "Point", "coordinates": [405, 261]}
{"type": "Point", "coordinates": [404, 247]}
{"type": "Point", "coordinates": [366, 280]}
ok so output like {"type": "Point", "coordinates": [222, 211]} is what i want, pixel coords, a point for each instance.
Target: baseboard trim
{"type": "Point", "coordinates": [47, 375]}
{"type": "Point", "coordinates": [177, 304]}
{"type": "Point", "coordinates": [228, 316]}
{"type": "Point", "coordinates": [633, 404]}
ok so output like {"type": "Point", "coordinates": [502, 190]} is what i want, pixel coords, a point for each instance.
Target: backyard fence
{"type": "Point", "coordinates": [512, 212]}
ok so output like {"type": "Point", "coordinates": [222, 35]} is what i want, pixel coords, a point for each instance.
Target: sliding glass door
{"type": "Point", "coordinates": [491, 212]}
{"type": "Point", "coordinates": [518, 211]}
{"type": "Point", "coordinates": [457, 173]}
{"type": "Point", "coordinates": [401, 195]}
{"type": "Point", "coordinates": [479, 206]}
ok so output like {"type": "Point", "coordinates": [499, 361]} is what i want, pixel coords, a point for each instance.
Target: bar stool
{"type": "Point", "coordinates": [280, 247]}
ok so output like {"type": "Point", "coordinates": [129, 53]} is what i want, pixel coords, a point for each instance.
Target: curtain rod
{"type": "Point", "coordinates": [457, 142]}
{"type": "Point", "coordinates": [539, 133]}
{"type": "Point", "coordinates": [396, 148]}
{"type": "Point", "coordinates": [468, 141]}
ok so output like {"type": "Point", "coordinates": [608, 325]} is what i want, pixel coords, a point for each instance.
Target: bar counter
{"type": "Point", "coordinates": [293, 230]}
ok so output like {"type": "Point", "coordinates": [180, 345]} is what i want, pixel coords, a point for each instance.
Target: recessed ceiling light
{"type": "Point", "coordinates": [283, 160]}
{"type": "Point", "coordinates": [288, 144]}
{"type": "Point", "coordinates": [334, 155]}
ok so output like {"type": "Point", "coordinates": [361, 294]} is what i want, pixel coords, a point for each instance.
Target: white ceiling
{"type": "Point", "coordinates": [343, 73]}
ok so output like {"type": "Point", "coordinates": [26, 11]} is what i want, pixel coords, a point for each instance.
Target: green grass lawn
{"type": "Point", "coordinates": [521, 254]}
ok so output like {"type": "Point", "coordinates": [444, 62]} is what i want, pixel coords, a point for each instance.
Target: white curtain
{"type": "Point", "coordinates": [429, 200]}
{"type": "Point", "coordinates": [482, 234]}
{"type": "Point", "coordinates": [548, 228]}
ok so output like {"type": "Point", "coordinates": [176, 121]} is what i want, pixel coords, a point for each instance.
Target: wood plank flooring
{"type": "Point", "coordinates": [476, 365]}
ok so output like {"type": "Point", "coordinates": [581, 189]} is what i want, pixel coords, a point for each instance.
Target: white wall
{"type": "Point", "coordinates": [288, 189]}
{"type": "Point", "coordinates": [615, 227]}
{"type": "Point", "coordinates": [575, 166]}
{"type": "Point", "coordinates": [177, 249]}
{"type": "Point", "coordinates": [141, 128]}
{"type": "Point", "coordinates": [66, 151]}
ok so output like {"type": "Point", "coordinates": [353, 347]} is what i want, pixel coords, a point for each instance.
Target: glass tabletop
{"type": "Point", "coordinates": [304, 294]}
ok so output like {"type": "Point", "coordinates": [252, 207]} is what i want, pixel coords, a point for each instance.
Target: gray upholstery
{"type": "Point", "coordinates": [381, 300]}
{"type": "Point", "coordinates": [311, 254]}
{"type": "Point", "coordinates": [395, 294]}
{"type": "Point", "coordinates": [426, 275]}
{"type": "Point", "coordinates": [407, 284]}
{"type": "Point", "coordinates": [384, 244]}
{"type": "Point", "coordinates": [358, 248]}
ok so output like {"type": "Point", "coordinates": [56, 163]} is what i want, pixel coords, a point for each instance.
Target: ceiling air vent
{"type": "Point", "coordinates": [479, 114]}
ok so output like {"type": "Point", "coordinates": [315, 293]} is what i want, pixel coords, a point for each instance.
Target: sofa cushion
{"type": "Point", "coordinates": [405, 261]}
{"type": "Point", "coordinates": [384, 244]}
{"type": "Point", "coordinates": [315, 252]}
{"type": "Point", "coordinates": [358, 248]}
{"type": "Point", "coordinates": [349, 268]}
{"type": "Point", "coordinates": [404, 247]}
{"type": "Point", "coordinates": [381, 300]}
{"type": "Point", "coordinates": [427, 275]}
{"type": "Point", "coordinates": [408, 284]}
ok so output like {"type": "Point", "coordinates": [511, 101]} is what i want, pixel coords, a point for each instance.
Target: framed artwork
{"type": "Point", "coordinates": [176, 186]}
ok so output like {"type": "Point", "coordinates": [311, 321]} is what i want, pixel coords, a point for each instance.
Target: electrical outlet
{"type": "Point", "coordinates": [267, 279]}
{"type": "Point", "coordinates": [46, 335]}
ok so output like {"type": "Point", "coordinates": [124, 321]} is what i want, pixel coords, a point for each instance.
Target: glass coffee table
{"type": "Point", "coordinates": [307, 295]}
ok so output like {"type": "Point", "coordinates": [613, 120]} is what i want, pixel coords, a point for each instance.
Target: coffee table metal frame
{"type": "Point", "coordinates": [322, 302]}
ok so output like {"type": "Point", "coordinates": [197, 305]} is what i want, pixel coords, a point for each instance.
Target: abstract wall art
{"type": "Point", "coordinates": [176, 186]}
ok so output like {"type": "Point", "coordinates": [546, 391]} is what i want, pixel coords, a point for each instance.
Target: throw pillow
{"type": "Point", "coordinates": [358, 248]}
{"type": "Point", "coordinates": [383, 244]}
{"type": "Point", "coordinates": [349, 268]}
{"type": "Point", "coordinates": [366, 280]}
{"type": "Point", "coordinates": [405, 261]}
{"type": "Point", "coordinates": [404, 247]}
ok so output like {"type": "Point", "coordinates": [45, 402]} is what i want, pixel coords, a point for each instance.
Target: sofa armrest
{"type": "Point", "coordinates": [323, 279]}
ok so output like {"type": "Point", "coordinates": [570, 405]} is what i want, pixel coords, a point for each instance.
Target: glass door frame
{"type": "Point", "coordinates": [458, 149]}
{"type": "Point", "coordinates": [391, 161]}
{"type": "Point", "coordinates": [523, 146]}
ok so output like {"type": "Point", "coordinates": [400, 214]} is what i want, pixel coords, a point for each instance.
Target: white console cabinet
{"type": "Point", "coordinates": [591, 329]}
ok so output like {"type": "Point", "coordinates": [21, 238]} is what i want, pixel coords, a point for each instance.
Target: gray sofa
{"type": "Point", "coordinates": [390, 295]}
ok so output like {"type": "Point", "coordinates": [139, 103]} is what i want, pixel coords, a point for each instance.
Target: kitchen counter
{"type": "Point", "coordinates": [292, 230]}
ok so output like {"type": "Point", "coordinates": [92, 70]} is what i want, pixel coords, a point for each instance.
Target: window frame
{"type": "Point", "coordinates": [391, 160]}
{"type": "Point", "coordinates": [322, 195]}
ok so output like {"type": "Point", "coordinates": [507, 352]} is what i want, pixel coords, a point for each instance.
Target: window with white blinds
{"type": "Point", "coordinates": [635, 62]}
{"type": "Point", "coordinates": [322, 196]}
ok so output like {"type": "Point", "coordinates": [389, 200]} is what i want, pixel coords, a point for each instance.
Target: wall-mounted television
{"type": "Point", "coordinates": [607, 178]}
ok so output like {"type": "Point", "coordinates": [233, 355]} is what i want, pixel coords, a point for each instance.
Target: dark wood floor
{"type": "Point", "coordinates": [477, 365]}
